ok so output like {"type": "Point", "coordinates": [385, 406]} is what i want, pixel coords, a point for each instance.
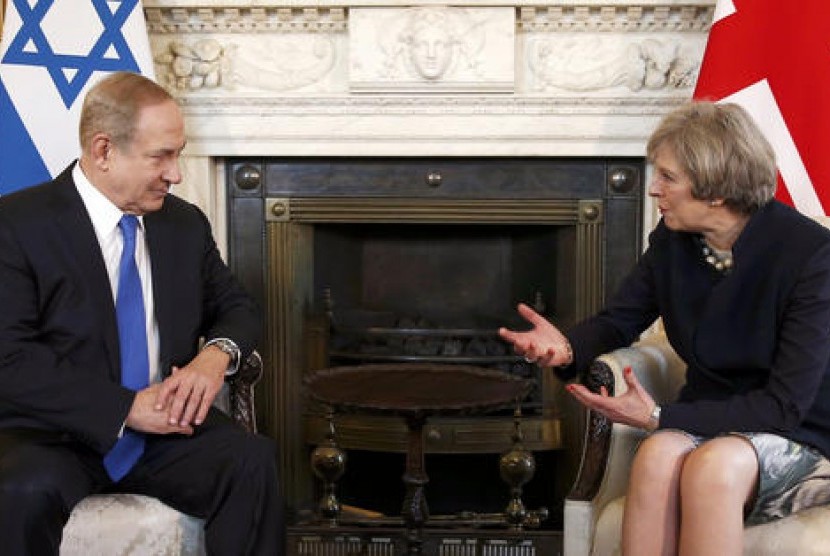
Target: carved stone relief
{"type": "Point", "coordinates": [182, 66]}
{"type": "Point", "coordinates": [283, 63]}
{"type": "Point", "coordinates": [256, 49]}
{"type": "Point", "coordinates": [593, 63]}
{"type": "Point", "coordinates": [429, 49]}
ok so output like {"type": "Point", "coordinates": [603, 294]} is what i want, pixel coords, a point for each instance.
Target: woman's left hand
{"type": "Point", "coordinates": [633, 408]}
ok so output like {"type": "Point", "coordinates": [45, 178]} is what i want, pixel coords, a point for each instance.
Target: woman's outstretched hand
{"type": "Point", "coordinates": [633, 408]}
{"type": "Point", "coordinates": [544, 344]}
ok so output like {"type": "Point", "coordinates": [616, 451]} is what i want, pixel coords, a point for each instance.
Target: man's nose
{"type": "Point", "coordinates": [173, 173]}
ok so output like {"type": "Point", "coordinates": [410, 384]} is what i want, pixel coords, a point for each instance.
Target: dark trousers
{"type": "Point", "coordinates": [221, 474]}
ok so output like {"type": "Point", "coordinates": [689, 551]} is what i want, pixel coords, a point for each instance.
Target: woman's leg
{"type": "Point", "coordinates": [651, 518]}
{"type": "Point", "coordinates": [718, 479]}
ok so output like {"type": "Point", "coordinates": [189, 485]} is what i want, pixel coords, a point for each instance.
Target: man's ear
{"type": "Point", "coordinates": [101, 150]}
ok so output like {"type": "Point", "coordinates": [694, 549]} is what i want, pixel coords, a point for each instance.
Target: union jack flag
{"type": "Point", "coordinates": [773, 58]}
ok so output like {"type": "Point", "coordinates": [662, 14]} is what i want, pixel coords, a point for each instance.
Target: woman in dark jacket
{"type": "Point", "coordinates": [742, 285]}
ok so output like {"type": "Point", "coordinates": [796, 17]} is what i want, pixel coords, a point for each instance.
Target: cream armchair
{"type": "Point", "coordinates": [135, 525]}
{"type": "Point", "coordinates": [593, 508]}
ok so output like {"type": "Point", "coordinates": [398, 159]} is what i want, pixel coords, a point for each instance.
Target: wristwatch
{"type": "Point", "coordinates": [227, 346]}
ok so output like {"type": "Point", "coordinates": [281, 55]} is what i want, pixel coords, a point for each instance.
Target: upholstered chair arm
{"type": "Point", "coordinates": [608, 448]}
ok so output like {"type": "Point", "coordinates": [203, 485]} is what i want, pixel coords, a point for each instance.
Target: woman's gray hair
{"type": "Point", "coordinates": [723, 152]}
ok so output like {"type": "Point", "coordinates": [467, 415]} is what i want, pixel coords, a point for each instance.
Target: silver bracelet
{"type": "Point", "coordinates": [654, 418]}
{"type": "Point", "coordinates": [569, 352]}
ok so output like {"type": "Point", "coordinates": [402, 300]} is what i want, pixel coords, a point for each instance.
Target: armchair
{"type": "Point", "coordinates": [132, 524]}
{"type": "Point", "coordinates": [594, 507]}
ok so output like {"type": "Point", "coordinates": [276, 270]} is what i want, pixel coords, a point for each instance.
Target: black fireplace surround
{"type": "Point", "coordinates": [361, 260]}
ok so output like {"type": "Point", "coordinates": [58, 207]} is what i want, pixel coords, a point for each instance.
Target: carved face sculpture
{"type": "Point", "coordinates": [430, 45]}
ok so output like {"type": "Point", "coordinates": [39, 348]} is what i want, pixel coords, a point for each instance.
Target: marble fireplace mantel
{"type": "Point", "coordinates": [385, 78]}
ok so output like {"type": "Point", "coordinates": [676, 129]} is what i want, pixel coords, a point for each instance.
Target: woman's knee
{"type": "Point", "coordinates": [725, 464]}
{"type": "Point", "coordinates": [662, 454]}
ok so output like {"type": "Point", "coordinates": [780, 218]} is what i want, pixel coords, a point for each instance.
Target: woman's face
{"type": "Point", "coordinates": [671, 187]}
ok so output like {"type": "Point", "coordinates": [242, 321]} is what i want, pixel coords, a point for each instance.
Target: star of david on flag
{"type": "Point", "coordinates": [773, 58]}
{"type": "Point", "coordinates": [51, 53]}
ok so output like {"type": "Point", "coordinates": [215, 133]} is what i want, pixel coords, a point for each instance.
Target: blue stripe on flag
{"type": "Point", "coordinates": [44, 70]}
{"type": "Point", "coordinates": [111, 52]}
{"type": "Point", "coordinates": [20, 162]}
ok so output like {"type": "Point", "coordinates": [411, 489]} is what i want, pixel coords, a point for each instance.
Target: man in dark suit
{"type": "Point", "coordinates": [64, 408]}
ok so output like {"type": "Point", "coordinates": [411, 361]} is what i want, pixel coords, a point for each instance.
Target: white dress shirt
{"type": "Point", "coordinates": [105, 217]}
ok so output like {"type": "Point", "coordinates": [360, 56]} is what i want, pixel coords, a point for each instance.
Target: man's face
{"type": "Point", "coordinates": [141, 173]}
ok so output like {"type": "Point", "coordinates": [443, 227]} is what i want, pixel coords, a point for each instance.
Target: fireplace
{"type": "Point", "coordinates": [552, 102]}
{"type": "Point", "coordinates": [366, 260]}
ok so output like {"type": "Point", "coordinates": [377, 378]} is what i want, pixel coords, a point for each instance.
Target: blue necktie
{"type": "Point", "coordinates": [132, 335]}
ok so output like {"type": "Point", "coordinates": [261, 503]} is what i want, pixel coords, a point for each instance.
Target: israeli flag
{"type": "Point", "coordinates": [52, 52]}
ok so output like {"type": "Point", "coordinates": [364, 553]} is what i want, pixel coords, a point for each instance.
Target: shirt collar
{"type": "Point", "coordinates": [103, 213]}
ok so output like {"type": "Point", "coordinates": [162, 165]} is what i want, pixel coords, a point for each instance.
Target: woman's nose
{"type": "Point", "coordinates": [654, 189]}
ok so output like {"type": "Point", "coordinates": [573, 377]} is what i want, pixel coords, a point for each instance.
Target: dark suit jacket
{"type": "Point", "coordinates": [756, 341]}
{"type": "Point", "coordinates": [59, 354]}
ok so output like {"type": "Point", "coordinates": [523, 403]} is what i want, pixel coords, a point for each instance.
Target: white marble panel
{"type": "Point", "coordinates": [432, 49]}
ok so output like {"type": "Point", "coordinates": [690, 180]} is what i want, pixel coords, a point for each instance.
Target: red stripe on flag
{"type": "Point", "coordinates": [788, 44]}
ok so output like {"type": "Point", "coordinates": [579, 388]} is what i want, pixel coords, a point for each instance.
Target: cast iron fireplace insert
{"type": "Point", "coordinates": [366, 260]}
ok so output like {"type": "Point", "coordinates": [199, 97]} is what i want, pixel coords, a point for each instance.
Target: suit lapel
{"type": "Point", "coordinates": [76, 230]}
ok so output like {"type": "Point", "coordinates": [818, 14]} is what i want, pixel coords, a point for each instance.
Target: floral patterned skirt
{"type": "Point", "coordinates": [793, 477]}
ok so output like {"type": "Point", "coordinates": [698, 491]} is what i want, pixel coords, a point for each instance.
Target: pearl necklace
{"type": "Point", "coordinates": [720, 260]}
